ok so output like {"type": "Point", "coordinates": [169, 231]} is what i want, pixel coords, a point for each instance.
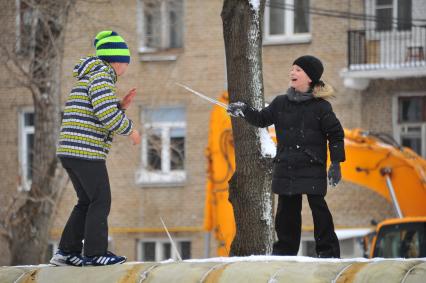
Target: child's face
{"type": "Point", "coordinates": [299, 80]}
{"type": "Point", "coordinates": [120, 68]}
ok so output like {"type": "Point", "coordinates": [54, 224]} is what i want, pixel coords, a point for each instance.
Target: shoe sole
{"type": "Point", "coordinates": [58, 262]}
{"type": "Point", "coordinates": [120, 262]}
{"type": "Point", "coordinates": [62, 263]}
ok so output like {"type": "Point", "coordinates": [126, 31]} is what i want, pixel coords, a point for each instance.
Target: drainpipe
{"type": "Point", "coordinates": [207, 237]}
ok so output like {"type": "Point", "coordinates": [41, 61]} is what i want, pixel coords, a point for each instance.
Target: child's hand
{"type": "Point", "coordinates": [135, 137]}
{"type": "Point", "coordinates": [127, 100]}
{"type": "Point", "coordinates": [236, 109]}
{"type": "Point", "coordinates": [334, 174]}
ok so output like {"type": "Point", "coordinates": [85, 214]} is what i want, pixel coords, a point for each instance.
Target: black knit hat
{"type": "Point", "coordinates": [312, 67]}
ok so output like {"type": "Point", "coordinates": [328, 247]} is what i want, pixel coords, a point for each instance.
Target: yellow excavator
{"type": "Point", "coordinates": [374, 161]}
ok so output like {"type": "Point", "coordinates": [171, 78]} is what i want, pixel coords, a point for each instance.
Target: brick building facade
{"type": "Point", "coordinates": [181, 41]}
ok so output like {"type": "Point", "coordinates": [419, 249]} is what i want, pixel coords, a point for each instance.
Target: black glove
{"type": "Point", "coordinates": [334, 174]}
{"type": "Point", "coordinates": [236, 109]}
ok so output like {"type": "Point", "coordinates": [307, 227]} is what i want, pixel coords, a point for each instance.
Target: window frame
{"type": "Point", "coordinates": [398, 126]}
{"type": "Point", "coordinates": [166, 176]}
{"type": "Point", "coordinates": [19, 44]}
{"type": "Point", "coordinates": [159, 248]}
{"type": "Point", "coordinates": [394, 24]}
{"type": "Point", "coordinates": [23, 132]}
{"type": "Point", "coordinates": [288, 37]}
{"type": "Point", "coordinates": [165, 30]}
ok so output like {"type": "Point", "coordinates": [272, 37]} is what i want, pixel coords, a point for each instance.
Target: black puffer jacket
{"type": "Point", "coordinates": [302, 130]}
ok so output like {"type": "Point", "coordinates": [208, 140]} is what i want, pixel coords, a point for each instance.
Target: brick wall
{"type": "Point", "coordinates": [377, 101]}
{"type": "Point", "coordinates": [200, 64]}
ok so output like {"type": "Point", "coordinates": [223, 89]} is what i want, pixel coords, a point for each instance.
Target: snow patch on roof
{"type": "Point", "coordinates": [264, 258]}
{"type": "Point", "coordinates": [296, 259]}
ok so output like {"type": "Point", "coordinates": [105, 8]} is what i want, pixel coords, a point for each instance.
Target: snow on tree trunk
{"type": "Point", "coordinates": [250, 186]}
{"type": "Point", "coordinates": [30, 223]}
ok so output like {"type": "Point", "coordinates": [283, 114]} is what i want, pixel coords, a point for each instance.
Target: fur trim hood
{"type": "Point", "coordinates": [325, 92]}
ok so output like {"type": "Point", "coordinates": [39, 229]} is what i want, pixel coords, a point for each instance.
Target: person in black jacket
{"type": "Point", "coordinates": [304, 122]}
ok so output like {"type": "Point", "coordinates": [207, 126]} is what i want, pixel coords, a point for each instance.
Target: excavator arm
{"type": "Point", "coordinates": [394, 172]}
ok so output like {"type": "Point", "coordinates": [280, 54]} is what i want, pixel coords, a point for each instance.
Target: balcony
{"type": "Point", "coordinates": [390, 54]}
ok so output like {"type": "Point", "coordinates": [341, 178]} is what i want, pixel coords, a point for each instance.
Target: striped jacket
{"type": "Point", "coordinates": [91, 115]}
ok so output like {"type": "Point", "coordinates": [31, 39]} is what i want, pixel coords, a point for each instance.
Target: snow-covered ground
{"type": "Point", "coordinates": [293, 258]}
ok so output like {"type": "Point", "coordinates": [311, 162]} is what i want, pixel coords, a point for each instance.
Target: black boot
{"type": "Point", "coordinates": [332, 253]}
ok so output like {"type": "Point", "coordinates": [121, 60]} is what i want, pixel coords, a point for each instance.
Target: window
{"type": "Point", "coordinates": [25, 21]}
{"type": "Point", "coordinates": [158, 250]}
{"type": "Point", "coordinates": [384, 14]}
{"type": "Point", "coordinates": [160, 24]}
{"type": "Point", "coordinates": [287, 21]}
{"type": "Point", "coordinates": [404, 15]}
{"type": "Point", "coordinates": [411, 123]}
{"type": "Point", "coordinates": [387, 10]}
{"type": "Point", "coordinates": [26, 146]}
{"type": "Point", "coordinates": [163, 147]}
{"type": "Point", "coordinates": [404, 240]}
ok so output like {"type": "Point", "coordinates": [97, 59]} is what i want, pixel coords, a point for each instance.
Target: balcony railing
{"type": "Point", "coordinates": [379, 50]}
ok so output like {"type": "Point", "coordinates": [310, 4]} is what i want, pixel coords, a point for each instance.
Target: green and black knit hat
{"type": "Point", "coordinates": [111, 47]}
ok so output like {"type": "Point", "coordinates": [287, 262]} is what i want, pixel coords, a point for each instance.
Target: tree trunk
{"type": "Point", "coordinates": [31, 223]}
{"type": "Point", "coordinates": [250, 186]}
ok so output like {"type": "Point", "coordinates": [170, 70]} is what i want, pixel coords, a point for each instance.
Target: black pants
{"type": "Point", "coordinates": [88, 219]}
{"type": "Point", "coordinates": [288, 224]}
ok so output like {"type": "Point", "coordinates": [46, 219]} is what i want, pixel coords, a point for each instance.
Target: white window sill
{"type": "Point", "coordinates": [146, 178]}
{"type": "Point", "coordinates": [156, 58]}
{"type": "Point", "coordinates": [157, 55]}
{"type": "Point", "coordinates": [25, 186]}
{"type": "Point", "coordinates": [292, 39]}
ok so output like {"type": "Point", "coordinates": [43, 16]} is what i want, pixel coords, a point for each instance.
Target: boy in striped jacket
{"type": "Point", "coordinates": [92, 115]}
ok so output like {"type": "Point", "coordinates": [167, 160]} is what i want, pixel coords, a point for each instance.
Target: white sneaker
{"type": "Point", "coordinates": [61, 258]}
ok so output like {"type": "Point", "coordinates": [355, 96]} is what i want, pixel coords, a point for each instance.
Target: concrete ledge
{"type": "Point", "coordinates": [235, 270]}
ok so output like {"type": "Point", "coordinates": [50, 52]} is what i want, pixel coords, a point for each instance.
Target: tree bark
{"type": "Point", "coordinates": [250, 186]}
{"type": "Point", "coordinates": [30, 226]}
